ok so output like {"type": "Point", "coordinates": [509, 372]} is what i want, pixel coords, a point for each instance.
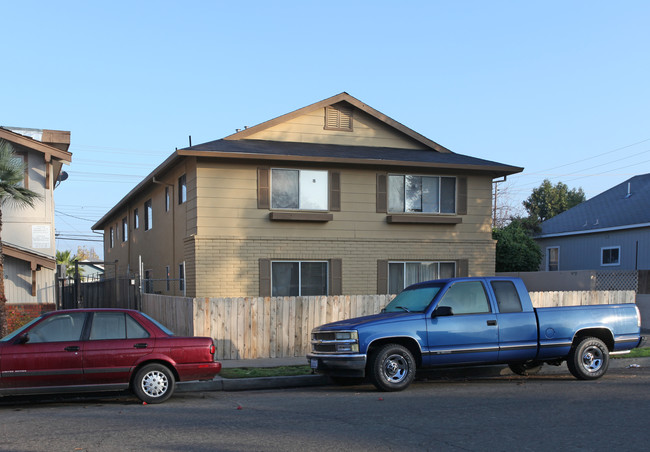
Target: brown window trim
{"type": "Point", "coordinates": [422, 219]}
{"type": "Point", "coordinates": [301, 216]}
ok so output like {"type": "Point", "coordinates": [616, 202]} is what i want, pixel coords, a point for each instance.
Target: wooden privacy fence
{"type": "Point", "coordinates": [250, 328]}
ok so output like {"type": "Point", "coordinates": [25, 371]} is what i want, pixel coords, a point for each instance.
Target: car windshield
{"type": "Point", "coordinates": [15, 333]}
{"type": "Point", "coordinates": [166, 330]}
{"type": "Point", "coordinates": [413, 300]}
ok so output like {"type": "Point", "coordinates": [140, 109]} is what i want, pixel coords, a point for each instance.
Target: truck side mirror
{"type": "Point", "coordinates": [443, 311]}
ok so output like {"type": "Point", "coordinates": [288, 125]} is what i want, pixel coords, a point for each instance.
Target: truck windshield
{"type": "Point", "coordinates": [413, 300]}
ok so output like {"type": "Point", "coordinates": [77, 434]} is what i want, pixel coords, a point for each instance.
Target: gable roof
{"type": "Point", "coordinates": [38, 141]}
{"type": "Point", "coordinates": [624, 206]}
{"type": "Point", "coordinates": [342, 97]}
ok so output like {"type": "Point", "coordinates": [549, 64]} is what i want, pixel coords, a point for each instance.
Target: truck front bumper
{"type": "Point", "coordinates": [353, 365]}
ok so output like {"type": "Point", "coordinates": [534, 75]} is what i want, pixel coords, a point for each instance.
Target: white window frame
{"type": "Point", "coordinates": [300, 262]}
{"type": "Point", "coordinates": [404, 209]}
{"type": "Point", "coordinates": [323, 205]}
{"type": "Point", "coordinates": [419, 262]}
{"type": "Point", "coordinates": [602, 251]}
{"type": "Point", "coordinates": [548, 258]}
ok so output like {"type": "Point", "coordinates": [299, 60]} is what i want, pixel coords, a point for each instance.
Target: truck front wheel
{"type": "Point", "coordinates": [392, 368]}
{"type": "Point", "coordinates": [588, 359]}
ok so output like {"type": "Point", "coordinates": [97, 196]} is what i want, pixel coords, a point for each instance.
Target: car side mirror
{"type": "Point", "coordinates": [22, 339]}
{"type": "Point", "coordinates": [443, 311]}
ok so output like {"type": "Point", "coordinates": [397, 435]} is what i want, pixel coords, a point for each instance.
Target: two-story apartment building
{"type": "Point", "coordinates": [333, 198]}
{"type": "Point", "coordinates": [28, 244]}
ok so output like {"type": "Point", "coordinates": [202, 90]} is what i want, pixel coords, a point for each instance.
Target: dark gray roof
{"type": "Point", "coordinates": [347, 154]}
{"type": "Point", "coordinates": [615, 208]}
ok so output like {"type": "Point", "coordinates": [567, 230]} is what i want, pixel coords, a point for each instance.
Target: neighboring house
{"type": "Point", "coordinates": [28, 243]}
{"type": "Point", "coordinates": [91, 271]}
{"type": "Point", "coordinates": [333, 198]}
{"type": "Point", "coordinates": [610, 231]}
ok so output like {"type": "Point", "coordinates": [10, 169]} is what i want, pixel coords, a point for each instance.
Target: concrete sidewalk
{"type": "Point", "coordinates": [245, 384]}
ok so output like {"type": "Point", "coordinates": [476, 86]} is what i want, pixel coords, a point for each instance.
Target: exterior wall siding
{"type": "Point", "coordinates": [229, 267]}
{"type": "Point", "coordinates": [583, 252]}
{"type": "Point", "coordinates": [308, 128]}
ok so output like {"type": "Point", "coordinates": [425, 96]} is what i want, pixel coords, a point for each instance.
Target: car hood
{"type": "Point", "coordinates": [369, 320]}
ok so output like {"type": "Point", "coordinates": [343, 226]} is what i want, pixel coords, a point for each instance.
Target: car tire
{"type": "Point", "coordinates": [154, 383]}
{"type": "Point", "coordinates": [588, 359]}
{"type": "Point", "coordinates": [392, 368]}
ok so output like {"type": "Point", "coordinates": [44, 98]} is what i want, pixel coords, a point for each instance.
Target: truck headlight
{"type": "Point", "coordinates": [347, 348]}
{"type": "Point", "coordinates": [347, 335]}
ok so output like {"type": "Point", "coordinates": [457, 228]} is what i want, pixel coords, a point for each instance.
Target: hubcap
{"type": "Point", "coordinates": [395, 368]}
{"type": "Point", "coordinates": [592, 359]}
{"type": "Point", "coordinates": [155, 383]}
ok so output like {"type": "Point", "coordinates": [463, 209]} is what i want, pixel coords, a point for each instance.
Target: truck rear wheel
{"type": "Point", "coordinates": [392, 368]}
{"type": "Point", "coordinates": [588, 359]}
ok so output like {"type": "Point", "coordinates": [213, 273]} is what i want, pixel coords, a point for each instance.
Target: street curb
{"type": "Point", "coordinates": [248, 384]}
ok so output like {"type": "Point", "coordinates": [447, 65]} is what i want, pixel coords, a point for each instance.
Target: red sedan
{"type": "Point", "coordinates": [88, 350]}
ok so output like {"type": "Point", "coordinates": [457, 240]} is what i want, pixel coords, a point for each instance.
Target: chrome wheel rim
{"type": "Point", "coordinates": [155, 383]}
{"type": "Point", "coordinates": [592, 359]}
{"type": "Point", "coordinates": [395, 368]}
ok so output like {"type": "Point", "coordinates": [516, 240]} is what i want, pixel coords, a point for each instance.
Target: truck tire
{"type": "Point", "coordinates": [392, 368]}
{"type": "Point", "coordinates": [527, 368]}
{"type": "Point", "coordinates": [588, 359]}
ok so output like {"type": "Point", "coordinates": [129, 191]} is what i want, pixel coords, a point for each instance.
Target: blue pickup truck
{"type": "Point", "coordinates": [471, 321]}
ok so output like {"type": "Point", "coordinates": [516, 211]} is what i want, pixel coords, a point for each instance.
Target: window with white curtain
{"type": "Point", "coordinates": [403, 274]}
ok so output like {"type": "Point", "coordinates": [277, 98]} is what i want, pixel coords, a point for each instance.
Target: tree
{"type": "Point", "coordinates": [68, 259]}
{"type": "Point", "coordinates": [85, 254]}
{"type": "Point", "coordinates": [12, 175]}
{"type": "Point", "coordinates": [549, 200]}
{"type": "Point", "coordinates": [516, 249]}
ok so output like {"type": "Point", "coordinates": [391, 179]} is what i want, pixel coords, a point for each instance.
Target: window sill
{"type": "Point", "coordinates": [423, 219]}
{"type": "Point", "coordinates": [319, 217]}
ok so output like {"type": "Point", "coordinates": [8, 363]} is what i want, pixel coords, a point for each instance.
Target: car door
{"type": "Point", "coordinates": [116, 343]}
{"type": "Point", "coordinates": [48, 354]}
{"type": "Point", "coordinates": [470, 334]}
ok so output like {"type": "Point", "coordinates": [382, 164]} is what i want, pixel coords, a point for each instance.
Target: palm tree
{"type": "Point", "coordinates": [12, 174]}
{"type": "Point", "coordinates": [68, 259]}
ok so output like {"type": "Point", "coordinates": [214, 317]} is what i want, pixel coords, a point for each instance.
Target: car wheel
{"type": "Point", "coordinates": [154, 383]}
{"type": "Point", "coordinates": [392, 368]}
{"type": "Point", "coordinates": [527, 368]}
{"type": "Point", "coordinates": [589, 359]}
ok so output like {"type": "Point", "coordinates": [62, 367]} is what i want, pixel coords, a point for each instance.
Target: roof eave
{"type": "Point", "coordinates": [147, 181]}
{"type": "Point", "coordinates": [498, 170]}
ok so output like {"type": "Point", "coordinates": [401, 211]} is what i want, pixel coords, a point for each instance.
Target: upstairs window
{"type": "Point", "coordinates": [125, 230]}
{"type": "Point", "coordinates": [182, 189]}
{"type": "Point", "coordinates": [553, 259]}
{"type": "Point", "coordinates": [299, 189]}
{"type": "Point", "coordinates": [167, 199]}
{"type": "Point", "coordinates": [610, 256]}
{"type": "Point", "coordinates": [338, 118]}
{"type": "Point", "coordinates": [136, 219]}
{"type": "Point", "coordinates": [148, 215]}
{"type": "Point", "coordinates": [20, 160]}
{"type": "Point", "coordinates": [111, 238]}
{"type": "Point", "coordinates": [425, 194]}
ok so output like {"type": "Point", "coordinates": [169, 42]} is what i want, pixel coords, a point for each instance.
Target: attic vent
{"type": "Point", "coordinates": [338, 118]}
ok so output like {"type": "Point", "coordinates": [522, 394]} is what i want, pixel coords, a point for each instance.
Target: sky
{"type": "Point", "coordinates": [560, 88]}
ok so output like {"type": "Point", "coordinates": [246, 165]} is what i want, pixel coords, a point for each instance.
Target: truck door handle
{"type": "Point", "coordinates": [140, 345]}
{"type": "Point", "coordinates": [492, 323]}
{"type": "Point", "coordinates": [71, 348]}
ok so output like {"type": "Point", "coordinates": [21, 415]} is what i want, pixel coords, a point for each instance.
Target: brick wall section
{"type": "Point", "coordinates": [229, 267]}
{"type": "Point", "coordinates": [20, 314]}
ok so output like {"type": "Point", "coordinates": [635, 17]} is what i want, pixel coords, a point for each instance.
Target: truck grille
{"type": "Point", "coordinates": [334, 342]}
